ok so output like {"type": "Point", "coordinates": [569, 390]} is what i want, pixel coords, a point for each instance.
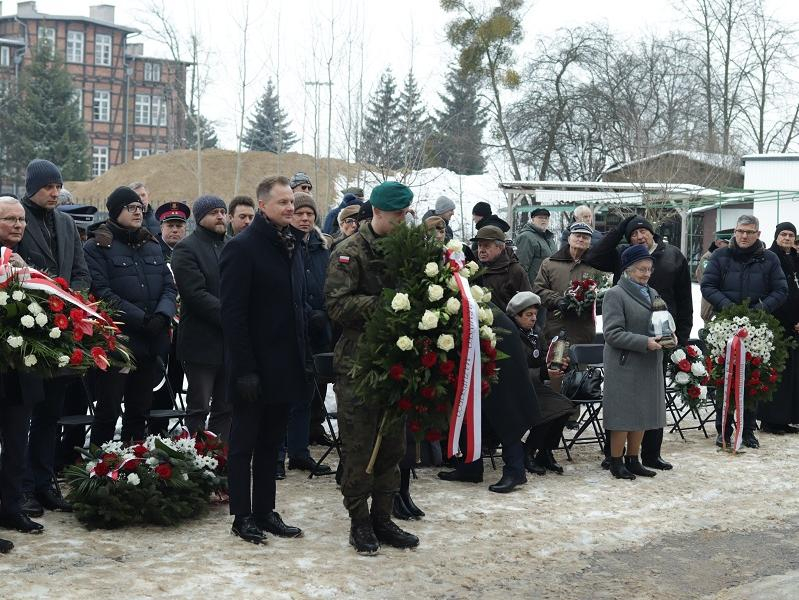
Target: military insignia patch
{"type": "Point", "coordinates": [343, 260]}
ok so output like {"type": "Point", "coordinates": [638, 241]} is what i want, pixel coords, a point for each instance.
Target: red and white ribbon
{"type": "Point", "coordinates": [734, 376]}
{"type": "Point", "coordinates": [468, 392]}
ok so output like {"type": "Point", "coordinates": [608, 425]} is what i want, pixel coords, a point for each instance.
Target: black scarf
{"type": "Point", "coordinates": [132, 237]}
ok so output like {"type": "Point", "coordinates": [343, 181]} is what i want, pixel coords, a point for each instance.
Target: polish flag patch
{"type": "Point", "coordinates": [343, 260]}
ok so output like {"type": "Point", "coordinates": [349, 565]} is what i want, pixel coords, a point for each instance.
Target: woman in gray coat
{"type": "Point", "coordinates": [634, 393]}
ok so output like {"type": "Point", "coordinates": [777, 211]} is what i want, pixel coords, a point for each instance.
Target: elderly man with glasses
{"type": "Point", "coordinates": [129, 270]}
{"type": "Point", "coordinates": [744, 270]}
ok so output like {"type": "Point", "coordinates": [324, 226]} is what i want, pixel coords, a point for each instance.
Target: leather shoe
{"type": "Point", "coordinates": [306, 463]}
{"type": "Point", "coordinates": [5, 546]}
{"type": "Point", "coordinates": [507, 483]}
{"type": "Point", "coordinates": [605, 464]}
{"type": "Point", "coordinates": [387, 532]}
{"type": "Point", "coordinates": [400, 509]}
{"type": "Point", "coordinates": [635, 467]}
{"type": "Point", "coordinates": [272, 523]}
{"type": "Point", "coordinates": [20, 522]}
{"type": "Point", "coordinates": [246, 529]}
{"type": "Point", "coordinates": [319, 437]}
{"type": "Point", "coordinates": [30, 506]}
{"type": "Point", "coordinates": [533, 467]}
{"type": "Point", "coordinates": [280, 471]}
{"type": "Point", "coordinates": [411, 505]}
{"type": "Point", "coordinates": [657, 463]}
{"type": "Point", "coordinates": [51, 499]}
{"type": "Point", "coordinates": [773, 429]}
{"type": "Point", "coordinates": [461, 475]}
{"type": "Point", "coordinates": [749, 439]}
{"type": "Point", "coordinates": [362, 537]}
{"type": "Point", "coordinates": [790, 429]}
{"type": "Point", "coordinates": [546, 459]}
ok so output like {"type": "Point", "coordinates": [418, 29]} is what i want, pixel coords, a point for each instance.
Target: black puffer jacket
{"type": "Point", "coordinates": [734, 274]}
{"type": "Point", "coordinates": [788, 313]}
{"type": "Point", "coordinates": [315, 257]}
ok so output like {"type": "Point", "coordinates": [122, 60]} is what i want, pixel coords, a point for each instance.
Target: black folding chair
{"type": "Point", "coordinates": [85, 420]}
{"type": "Point", "coordinates": [178, 410]}
{"type": "Point", "coordinates": [587, 358]}
{"type": "Point", "coordinates": [324, 375]}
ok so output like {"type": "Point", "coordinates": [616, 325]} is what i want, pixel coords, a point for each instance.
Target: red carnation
{"type": "Point", "coordinates": [415, 426]}
{"type": "Point", "coordinates": [772, 378]}
{"type": "Point", "coordinates": [491, 353]}
{"type": "Point", "coordinates": [764, 388]}
{"type": "Point", "coordinates": [77, 335]}
{"type": "Point", "coordinates": [484, 387]}
{"type": "Point", "coordinates": [684, 365]}
{"type": "Point", "coordinates": [433, 435]}
{"type": "Point", "coordinates": [131, 464]}
{"type": "Point", "coordinates": [404, 404]}
{"type": "Point", "coordinates": [396, 372]}
{"type": "Point", "coordinates": [101, 469]}
{"type": "Point", "coordinates": [62, 283]}
{"type": "Point", "coordinates": [446, 367]}
{"type": "Point", "coordinates": [428, 392]}
{"type": "Point", "coordinates": [490, 368]}
{"type": "Point", "coordinates": [56, 303]}
{"type": "Point", "coordinates": [757, 361]}
{"type": "Point", "coordinates": [61, 321]}
{"type": "Point", "coordinates": [748, 356]}
{"type": "Point", "coordinates": [693, 391]}
{"type": "Point", "coordinates": [139, 450]}
{"type": "Point", "coordinates": [77, 357]}
{"type": "Point", "coordinates": [756, 375]}
{"type": "Point", "coordinates": [77, 314]}
{"type": "Point", "coordinates": [485, 345]}
{"type": "Point", "coordinates": [442, 408]}
{"type": "Point", "coordinates": [689, 350]}
{"type": "Point", "coordinates": [164, 470]}
{"type": "Point", "coordinates": [429, 359]}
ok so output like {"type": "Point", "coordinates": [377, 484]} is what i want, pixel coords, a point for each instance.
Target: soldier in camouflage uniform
{"type": "Point", "coordinates": [353, 286]}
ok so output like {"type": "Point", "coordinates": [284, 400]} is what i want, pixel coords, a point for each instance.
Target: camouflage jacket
{"type": "Point", "coordinates": [355, 280]}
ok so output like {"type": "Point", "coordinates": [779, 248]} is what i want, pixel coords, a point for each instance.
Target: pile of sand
{"type": "Point", "coordinates": [174, 176]}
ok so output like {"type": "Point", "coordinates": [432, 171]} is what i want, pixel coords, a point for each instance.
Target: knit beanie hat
{"type": "Point", "coordinates": [443, 204]}
{"type": "Point", "coordinates": [633, 254]}
{"type": "Point", "coordinates": [638, 223]}
{"type": "Point", "coordinates": [40, 173]}
{"type": "Point", "coordinates": [119, 199]}
{"type": "Point", "coordinates": [303, 200]}
{"type": "Point", "coordinates": [205, 204]}
{"type": "Point", "coordinates": [785, 226]}
{"type": "Point", "coordinates": [481, 209]}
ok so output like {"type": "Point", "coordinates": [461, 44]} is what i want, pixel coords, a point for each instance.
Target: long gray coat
{"type": "Point", "coordinates": [634, 392]}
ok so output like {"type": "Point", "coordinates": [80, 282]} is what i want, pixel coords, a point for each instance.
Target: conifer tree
{"type": "Point", "coordinates": [381, 144]}
{"type": "Point", "coordinates": [269, 129]}
{"type": "Point", "coordinates": [208, 137]}
{"type": "Point", "coordinates": [414, 130]}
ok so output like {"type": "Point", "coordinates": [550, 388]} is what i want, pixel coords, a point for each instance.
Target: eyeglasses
{"type": "Point", "coordinates": [746, 231]}
{"type": "Point", "coordinates": [14, 220]}
{"type": "Point", "coordinates": [644, 270]}
{"type": "Point", "coordinates": [135, 207]}
{"type": "Point", "coordinates": [350, 221]}
{"type": "Point", "coordinates": [305, 187]}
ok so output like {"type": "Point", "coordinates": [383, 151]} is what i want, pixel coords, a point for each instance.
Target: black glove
{"type": "Point", "coordinates": [156, 325]}
{"type": "Point", "coordinates": [622, 227]}
{"type": "Point", "coordinates": [249, 387]}
{"type": "Point", "coordinates": [562, 305]}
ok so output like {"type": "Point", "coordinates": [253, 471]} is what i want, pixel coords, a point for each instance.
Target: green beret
{"type": "Point", "coordinates": [391, 195]}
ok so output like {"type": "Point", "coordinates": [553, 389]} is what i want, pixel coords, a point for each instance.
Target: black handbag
{"type": "Point", "coordinates": [583, 385]}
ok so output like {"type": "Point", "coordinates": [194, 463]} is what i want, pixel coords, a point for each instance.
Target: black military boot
{"type": "Point", "coordinates": [387, 532]}
{"type": "Point", "coordinates": [362, 537]}
{"type": "Point", "coordinates": [635, 467]}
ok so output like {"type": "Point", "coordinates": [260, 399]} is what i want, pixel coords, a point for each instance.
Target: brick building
{"type": "Point", "coordinates": [131, 105]}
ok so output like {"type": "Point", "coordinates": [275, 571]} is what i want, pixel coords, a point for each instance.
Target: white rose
{"type": "Point", "coordinates": [41, 319]}
{"type": "Point", "coordinates": [446, 342]}
{"type": "Point", "coordinates": [431, 269]}
{"type": "Point", "coordinates": [429, 320]}
{"type": "Point", "coordinates": [55, 333]}
{"type": "Point", "coordinates": [698, 369]}
{"type": "Point", "coordinates": [30, 360]}
{"type": "Point", "coordinates": [473, 266]}
{"type": "Point", "coordinates": [452, 284]}
{"type": "Point", "coordinates": [453, 306]}
{"type": "Point", "coordinates": [454, 246]}
{"type": "Point", "coordinates": [486, 295]}
{"type": "Point", "coordinates": [465, 273]}
{"type": "Point", "coordinates": [400, 302]}
{"type": "Point", "coordinates": [485, 315]}
{"type": "Point", "coordinates": [15, 341]}
{"type": "Point", "coordinates": [34, 308]}
{"type": "Point", "coordinates": [63, 360]}
{"type": "Point", "coordinates": [477, 292]}
{"type": "Point", "coordinates": [404, 343]}
{"type": "Point", "coordinates": [435, 293]}
{"type": "Point", "coordinates": [486, 332]}
{"type": "Point", "coordinates": [677, 356]}
{"type": "Point", "coordinates": [3, 298]}
{"type": "Point", "coordinates": [18, 295]}
{"type": "Point", "coordinates": [27, 321]}
{"type": "Point", "coordinates": [152, 461]}
{"type": "Point", "coordinates": [682, 378]}
{"type": "Point", "coordinates": [133, 479]}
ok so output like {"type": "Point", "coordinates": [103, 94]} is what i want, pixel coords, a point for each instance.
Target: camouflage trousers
{"type": "Point", "coordinates": [358, 425]}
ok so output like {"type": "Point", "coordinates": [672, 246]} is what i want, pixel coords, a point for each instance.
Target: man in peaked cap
{"type": "Point", "coordinates": [352, 290]}
{"type": "Point", "coordinates": [172, 217]}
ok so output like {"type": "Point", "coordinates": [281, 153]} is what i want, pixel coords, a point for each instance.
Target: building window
{"type": "Point", "coordinates": [159, 111]}
{"type": "Point", "coordinates": [140, 152]}
{"type": "Point", "coordinates": [74, 46]}
{"type": "Point", "coordinates": [142, 112]}
{"type": "Point", "coordinates": [5, 56]}
{"type": "Point", "coordinates": [47, 36]}
{"type": "Point", "coordinates": [99, 160]}
{"type": "Point", "coordinates": [77, 97]}
{"type": "Point", "coordinates": [152, 72]}
{"type": "Point", "coordinates": [102, 50]}
{"type": "Point", "coordinates": [102, 105]}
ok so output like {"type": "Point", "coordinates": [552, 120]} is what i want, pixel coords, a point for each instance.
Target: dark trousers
{"type": "Point", "coordinates": [207, 389]}
{"type": "Point", "coordinates": [298, 428]}
{"type": "Point", "coordinates": [47, 396]}
{"type": "Point", "coordinates": [136, 388]}
{"type": "Point", "coordinates": [162, 398]}
{"type": "Point", "coordinates": [76, 402]}
{"type": "Point", "coordinates": [317, 412]}
{"type": "Point", "coordinates": [547, 436]}
{"type": "Point", "coordinates": [750, 420]}
{"type": "Point", "coordinates": [256, 435]}
{"type": "Point", "coordinates": [14, 419]}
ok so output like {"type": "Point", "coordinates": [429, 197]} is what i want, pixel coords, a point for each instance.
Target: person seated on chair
{"type": "Point", "coordinates": [555, 408]}
{"type": "Point", "coordinates": [634, 383]}
{"type": "Point", "coordinates": [128, 269]}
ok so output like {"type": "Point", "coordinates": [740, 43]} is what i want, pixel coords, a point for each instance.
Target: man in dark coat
{"type": "Point", "coordinates": [195, 264]}
{"type": "Point", "coordinates": [535, 242]}
{"type": "Point", "coordinates": [129, 271]}
{"type": "Point", "coordinates": [51, 243]}
{"type": "Point", "coordinates": [744, 270]}
{"type": "Point", "coordinates": [671, 279]}
{"type": "Point", "coordinates": [263, 323]}
{"type": "Point", "coordinates": [503, 274]}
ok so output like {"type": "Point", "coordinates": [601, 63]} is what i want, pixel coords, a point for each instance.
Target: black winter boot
{"type": "Point", "coordinates": [618, 470]}
{"type": "Point", "coordinates": [635, 467]}
{"type": "Point", "coordinates": [362, 537]}
{"type": "Point", "coordinates": [387, 532]}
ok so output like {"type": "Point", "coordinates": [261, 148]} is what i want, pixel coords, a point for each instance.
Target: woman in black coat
{"type": "Point", "coordinates": [776, 416]}
{"type": "Point", "coordinates": [555, 408]}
